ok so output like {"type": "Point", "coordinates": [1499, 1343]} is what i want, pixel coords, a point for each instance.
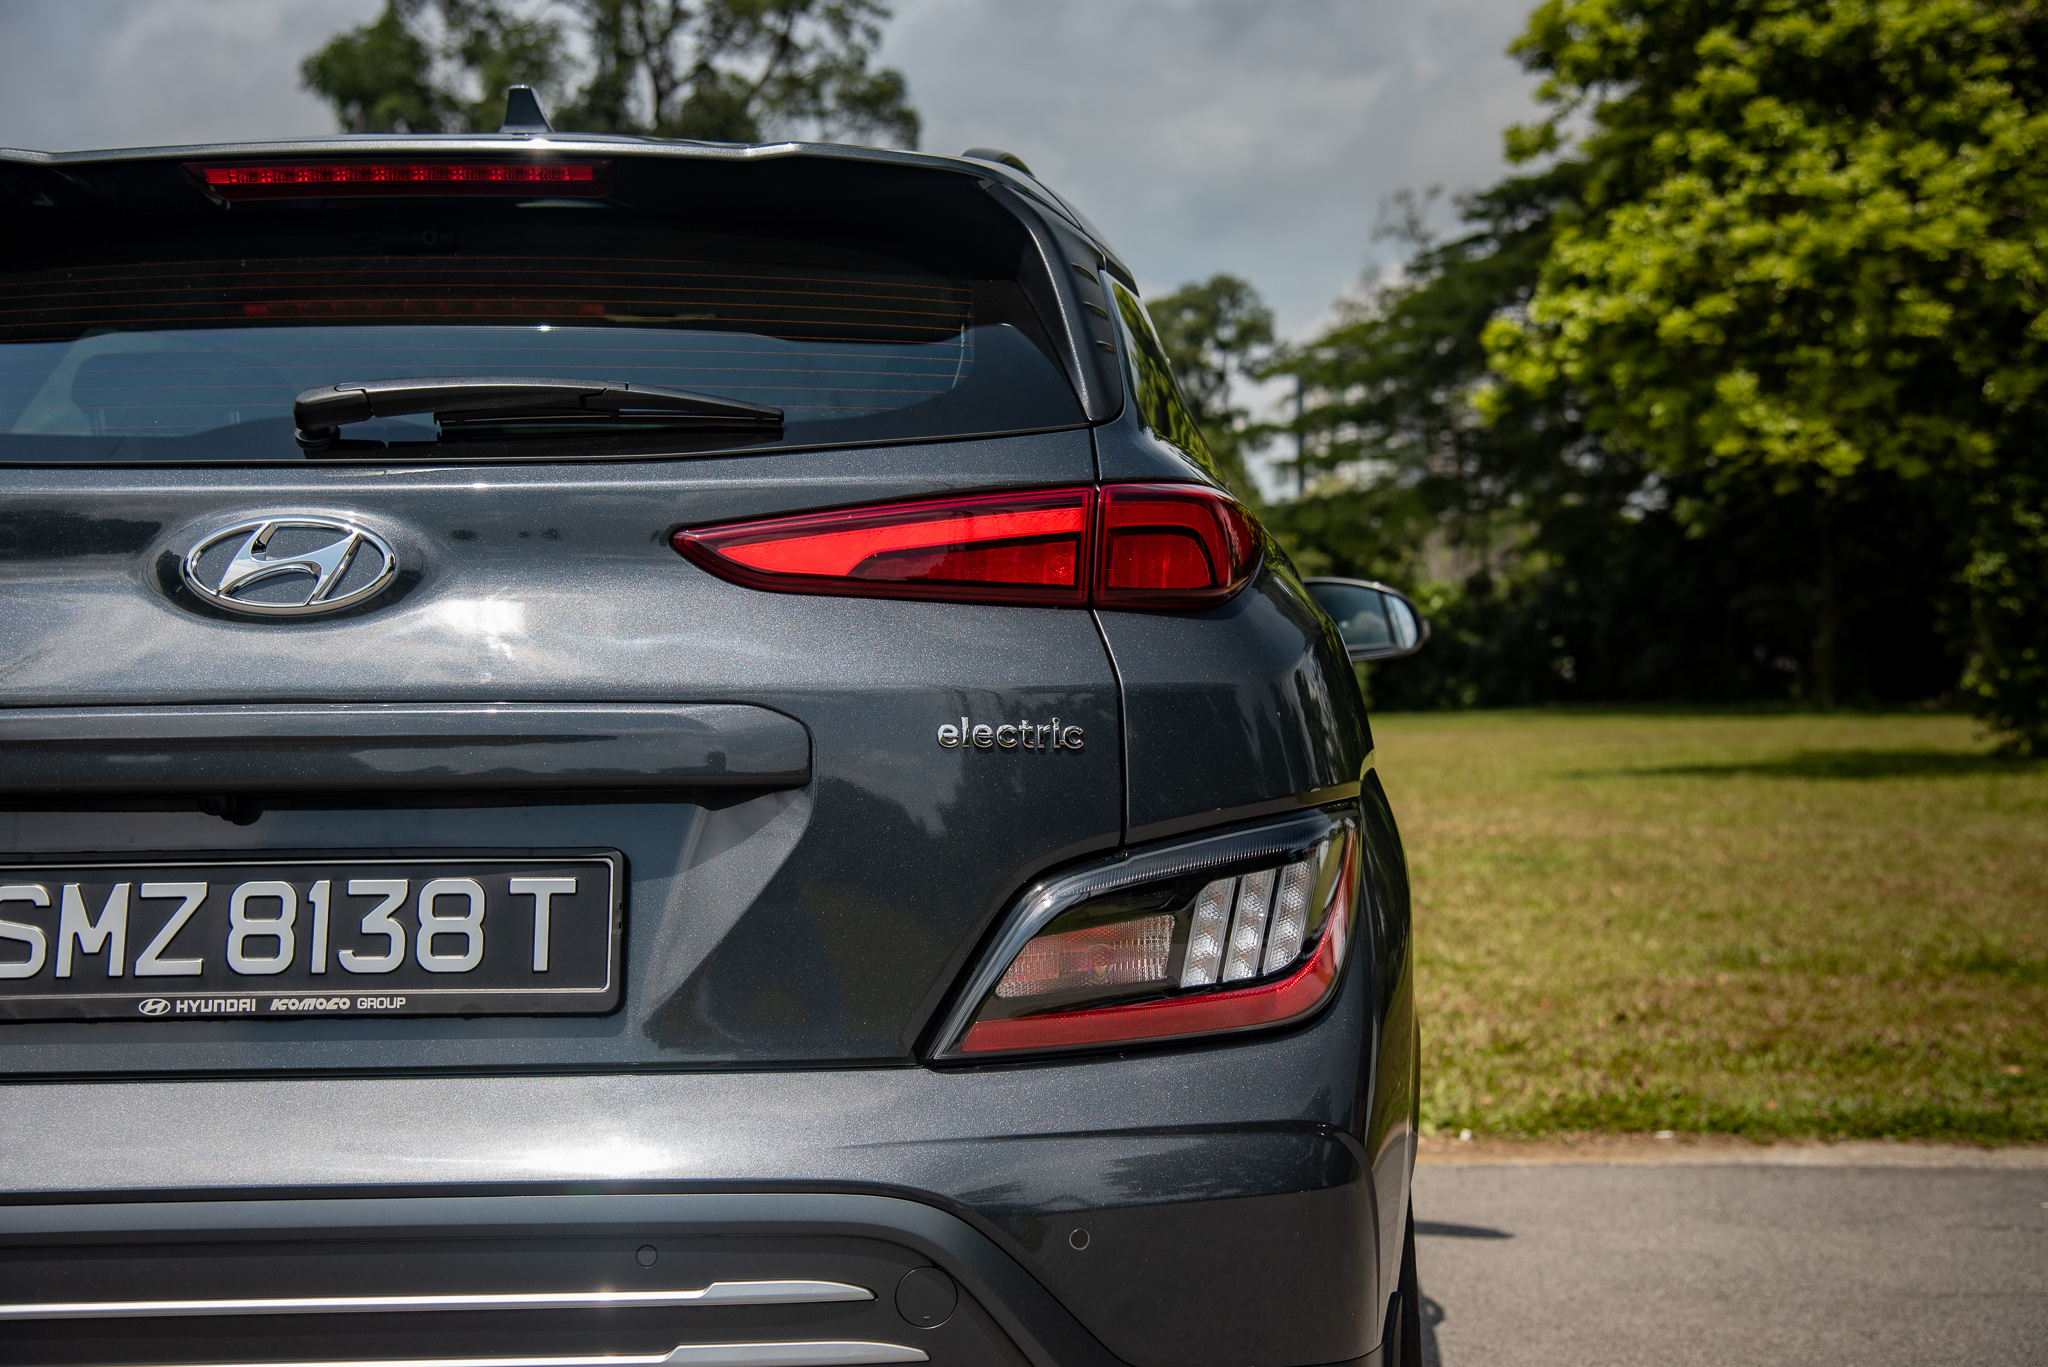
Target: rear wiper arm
{"type": "Point", "coordinates": [494, 402]}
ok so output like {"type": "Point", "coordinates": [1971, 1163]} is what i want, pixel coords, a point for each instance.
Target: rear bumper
{"type": "Point", "coordinates": [989, 1309]}
{"type": "Point", "coordinates": [1230, 1205]}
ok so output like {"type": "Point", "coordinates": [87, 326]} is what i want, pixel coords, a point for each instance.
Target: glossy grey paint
{"type": "Point", "coordinates": [1029, 1152]}
{"type": "Point", "coordinates": [1244, 709]}
{"type": "Point", "coordinates": [825, 924]}
{"type": "Point", "coordinates": [382, 747]}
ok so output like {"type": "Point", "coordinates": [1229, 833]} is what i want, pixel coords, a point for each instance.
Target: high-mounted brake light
{"type": "Point", "coordinates": [1125, 545]}
{"type": "Point", "coordinates": [1136, 955]}
{"type": "Point", "coordinates": [330, 178]}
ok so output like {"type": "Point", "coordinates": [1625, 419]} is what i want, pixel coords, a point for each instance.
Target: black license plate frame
{"type": "Point", "coordinates": [567, 947]}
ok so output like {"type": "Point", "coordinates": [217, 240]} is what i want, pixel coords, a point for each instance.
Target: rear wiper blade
{"type": "Point", "coordinates": [496, 403]}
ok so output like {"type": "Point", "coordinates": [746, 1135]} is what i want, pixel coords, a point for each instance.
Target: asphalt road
{"type": "Point", "coordinates": [1585, 1265]}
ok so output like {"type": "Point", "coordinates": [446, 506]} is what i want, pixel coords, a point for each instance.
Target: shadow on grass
{"type": "Point", "coordinates": [1842, 764]}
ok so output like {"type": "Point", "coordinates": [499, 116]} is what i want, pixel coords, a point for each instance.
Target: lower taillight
{"type": "Point", "coordinates": [1223, 934]}
{"type": "Point", "coordinates": [1123, 545]}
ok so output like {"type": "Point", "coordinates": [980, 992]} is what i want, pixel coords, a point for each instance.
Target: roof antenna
{"type": "Point", "coordinates": [523, 113]}
{"type": "Point", "coordinates": [1000, 157]}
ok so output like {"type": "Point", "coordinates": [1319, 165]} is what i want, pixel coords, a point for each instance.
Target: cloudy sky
{"type": "Point", "coordinates": [1252, 136]}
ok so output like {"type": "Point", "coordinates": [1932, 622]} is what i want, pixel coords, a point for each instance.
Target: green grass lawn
{"type": "Point", "coordinates": [1759, 924]}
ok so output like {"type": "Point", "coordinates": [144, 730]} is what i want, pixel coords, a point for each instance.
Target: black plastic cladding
{"type": "Point", "coordinates": [1070, 290]}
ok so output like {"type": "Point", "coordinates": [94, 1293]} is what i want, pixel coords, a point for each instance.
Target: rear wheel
{"type": "Point", "coordinates": [1404, 1339]}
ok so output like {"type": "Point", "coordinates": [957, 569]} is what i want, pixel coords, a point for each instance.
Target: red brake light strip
{"type": "Point", "coordinates": [842, 552]}
{"type": "Point", "coordinates": [1169, 546]}
{"type": "Point", "coordinates": [998, 548]}
{"type": "Point", "coordinates": [300, 179]}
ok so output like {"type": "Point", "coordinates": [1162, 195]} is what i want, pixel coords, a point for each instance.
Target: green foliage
{"type": "Point", "coordinates": [1555, 563]}
{"type": "Point", "coordinates": [1394, 378]}
{"type": "Point", "coordinates": [380, 77]}
{"type": "Point", "coordinates": [1215, 331]}
{"type": "Point", "coordinates": [720, 70]}
{"type": "Point", "coordinates": [498, 48]}
{"type": "Point", "coordinates": [2007, 579]}
{"type": "Point", "coordinates": [1809, 248]}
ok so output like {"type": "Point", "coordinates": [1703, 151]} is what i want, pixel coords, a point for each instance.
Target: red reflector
{"type": "Point", "coordinates": [1173, 546]}
{"type": "Point", "coordinates": [998, 548]}
{"type": "Point", "coordinates": [1203, 1013]}
{"type": "Point", "coordinates": [404, 178]}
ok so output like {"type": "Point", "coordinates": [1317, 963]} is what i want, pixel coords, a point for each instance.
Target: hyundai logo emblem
{"type": "Point", "coordinates": [317, 568]}
{"type": "Point", "coordinates": [152, 1006]}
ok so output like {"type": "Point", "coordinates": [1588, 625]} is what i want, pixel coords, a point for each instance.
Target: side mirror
{"type": "Point", "coordinates": [1376, 622]}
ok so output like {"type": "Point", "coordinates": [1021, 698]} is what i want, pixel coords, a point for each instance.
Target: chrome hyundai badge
{"type": "Point", "coordinates": [289, 566]}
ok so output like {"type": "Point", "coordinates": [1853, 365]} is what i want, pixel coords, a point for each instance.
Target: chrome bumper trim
{"type": "Point", "coordinates": [717, 1293]}
{"type": "Point", "coordinates": [823, 1353]}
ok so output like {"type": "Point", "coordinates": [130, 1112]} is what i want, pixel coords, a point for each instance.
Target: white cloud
{"type": "Point", "coordinates": [138, 73]}
{"type": "Point", "coordinates": [1253, 136]}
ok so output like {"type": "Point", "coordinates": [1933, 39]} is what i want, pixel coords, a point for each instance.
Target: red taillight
{"type": "Point", "coordinates": [279, 180]}
{"type": "Point", "coordinates": [1268, 1004]}
{"type": "Point", "coordinates": [1148, 545]}
{"type": "Point", "coordinates": [1174, 546]}
{"type": "Point", "coordinates": [1000, 548]}
{"type": "Point", "coordinates": [1170, 958]}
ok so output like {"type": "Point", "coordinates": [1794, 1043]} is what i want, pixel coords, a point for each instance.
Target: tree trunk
{"type": "Point", "coordinates": [1828, 612]}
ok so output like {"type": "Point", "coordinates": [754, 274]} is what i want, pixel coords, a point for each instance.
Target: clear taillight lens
{"type": "Point", "coordinates": [1116, 955]}
{"type": "Point", "coordinates": [1255, 942]}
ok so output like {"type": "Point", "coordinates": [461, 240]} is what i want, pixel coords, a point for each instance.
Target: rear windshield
{"type": "Point", "coordinates": [143, 321]}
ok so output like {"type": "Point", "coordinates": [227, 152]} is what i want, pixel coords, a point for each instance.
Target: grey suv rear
{"type": "Point", "coordinates": [629, 752]}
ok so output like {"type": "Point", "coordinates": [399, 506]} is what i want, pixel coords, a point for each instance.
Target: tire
{"type": "Point", "coordinates": [1405, 1338]}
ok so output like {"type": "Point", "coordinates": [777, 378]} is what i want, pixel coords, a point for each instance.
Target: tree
{"type": "Point", "coordinates": [379, 77]}
{"type": "Point", "coordinates": [1810, 257]}
{"type": "Point", "coordinates": [1395, 377]}
{"type": "Point", "coordinates": [1557, 564]}
{"type": "Point", "coordinates": [1214, 332]}
{"type": "Point", "coordinates": [719, 70]}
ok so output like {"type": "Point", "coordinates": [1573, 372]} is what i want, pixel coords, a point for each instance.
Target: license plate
{"type": "Point", "coordinates": [187, 938]}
